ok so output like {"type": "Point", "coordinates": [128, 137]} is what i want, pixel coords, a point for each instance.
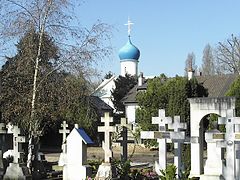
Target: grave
{"type": "Point", "coordinates": [16, 169]}
{"type": "Point", "coordinates": [199, 108]}
{"type": "Point", "coordinates": [63, 156]}
{"type": "Point", "coordinates": [106, 170]}
{"type": "Point", "coordinates": [178, 137]}
{"type": "Point", "coordinates": [76, 167]}
{"type": "Point", "coordinates": [123, 129]}
{"type": "Point", "coordinates": [162, 135]}
{"type": "Point", "coordinates": [213, 165]}
{"type": "Point", "coordinates": [229, 142]}
{"type": "Point", "coordinates": [3, 132]}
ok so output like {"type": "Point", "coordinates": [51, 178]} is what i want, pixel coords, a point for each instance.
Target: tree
{"type": "Point", "coordinates": [234, 90]}
{"type": "Point", "coordinates": [228, 55]}
{"type": "Point", "coordinates": [208, 64]}
{"type": "Point", "coordinates": [190, 63]}
{"type": "Point", "coordinates": [170, 94]}
{"type": "Point", "coordinates": [123, 85]}
{"type": "Point", "coordinates": [78, 47]}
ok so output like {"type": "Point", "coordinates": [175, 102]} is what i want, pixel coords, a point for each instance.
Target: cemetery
{"type": "Point", "coordinates": [57, 123]}
{"type": "Point", "coordinates": [220, 160]}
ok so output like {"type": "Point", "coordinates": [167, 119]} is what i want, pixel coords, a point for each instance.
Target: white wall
{"type": "Point", "coordinates": [131, 112]}
{"type": "Point", "coordinates": [129, 67]}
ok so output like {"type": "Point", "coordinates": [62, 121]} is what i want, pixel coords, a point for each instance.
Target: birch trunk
{"type": "Point", "coordinates": [34, 124]}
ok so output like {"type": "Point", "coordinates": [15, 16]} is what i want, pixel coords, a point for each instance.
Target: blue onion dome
{"type": "Point", "coordinates": [129, 51]}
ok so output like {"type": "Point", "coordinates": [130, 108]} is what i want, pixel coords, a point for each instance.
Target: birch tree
{"type": "Point", "coordinates": [79, 47]}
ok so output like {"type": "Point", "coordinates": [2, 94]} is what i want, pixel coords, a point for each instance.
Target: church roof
{"type": "Point", "coordinates": [216, 85]}
{"type": "Point", "coordinates": [100, 105]}
{"type": "Point", "coordinates": [129, 51]}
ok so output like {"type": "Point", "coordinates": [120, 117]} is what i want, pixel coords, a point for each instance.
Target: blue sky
{"type": "Point", "coordinates": [165, 31]}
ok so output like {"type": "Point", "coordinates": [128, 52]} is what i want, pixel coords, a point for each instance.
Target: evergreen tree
{"type": "Point", "coordinates": [123, 85]}
{"type": "Point", "coordinates": [170, 94]}
{"type": "Point", "coordinates": [60, 95]}
{"type": "Point", "coordinates": [234, 90]}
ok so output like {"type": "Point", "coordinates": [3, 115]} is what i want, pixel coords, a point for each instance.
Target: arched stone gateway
{"type": "Point", "coordinates": [199, 108]}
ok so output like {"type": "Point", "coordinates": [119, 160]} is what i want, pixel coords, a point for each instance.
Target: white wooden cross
{"type": "Point", "coordinates": [16, 140]}
{"type": "Point", "coordinates": [228, 142]}
{"type": "Point", "coordinates": [161, 137]}
{"type": "Point", "coordinates": [64, 131]}
{"type": "Point", "coordinates": [124, 141]}
{"type": "Point", "coordinates": [177, 137]}
{"type": "Point", "coordinates": [129, 24]}
{"type": "Point", "coordinates": [107, 129]}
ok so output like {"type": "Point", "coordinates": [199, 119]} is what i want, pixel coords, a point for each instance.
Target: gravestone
{"type": "Point", "coordinates": [230, 137]}
{"type": "Point", "coordinates": [178, 138]}
{"type": "Point", "coordinates": [3, 132]}
{"type": "Point", "coordinates": [106, 170]}
{"type": "Point", "coordinates": [123, 128]}
{"type": "Point", "coordinates": [213, 165]}
{"type": "Point", "coordinates": [17, 170]}
{"type": "Point", "coordinates": [63, 156]}
{"type": "Point", "coordinates": [162, 135]}
{"type": "Point", "coordinates": [76, 167]}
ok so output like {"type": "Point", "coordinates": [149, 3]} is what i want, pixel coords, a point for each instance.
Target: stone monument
{"type": "Point", "coordinates": [106, 170]}
{"type": "Point", "coordinates": [76, 167]}
{"type": "Point", "coordinates": [178, 137]}
{"type": "Point", "coordinates": [16, 170]}
{"type": "Point", "coordinates": [162, 135]}
{"type": "Point", "coordinates": [63, 156]}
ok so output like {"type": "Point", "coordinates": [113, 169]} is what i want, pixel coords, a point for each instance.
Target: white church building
{"type": "Point", "coordinates": [129, 58]}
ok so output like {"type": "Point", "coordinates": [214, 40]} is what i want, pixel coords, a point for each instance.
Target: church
{"type": "Point", "coordinates": [129, 54]}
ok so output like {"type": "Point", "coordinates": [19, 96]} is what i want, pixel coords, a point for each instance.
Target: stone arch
{"type": "Point", "coordinates": [199, 108]}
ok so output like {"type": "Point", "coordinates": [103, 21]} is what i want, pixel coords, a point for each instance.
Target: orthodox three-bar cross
{"type": "Point", "coordinates": [107, 129]}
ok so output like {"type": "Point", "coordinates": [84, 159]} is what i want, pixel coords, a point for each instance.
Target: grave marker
{"type": "Point", "coordinates": [178, 138]}
{"type": "Point", "coordinates": [229, 143]}
{"type": "Point", "coordinates": [161, 137]}
{"type": "Point", "coordinates": [124, 141]}
{"type": "Point", "coordinates": [64, 131]}
{"type": "Point", "coordinates": [3, 132]}
{"type": "Point", "coordinates": [106, 170]}
{"type": "Point", "coordinates": [76, 166]}
{"type": "Point", "coordinates": [107, 129]}
{"type": "Point", "coordinates": [16, 170]}
{"type": "Point", "coordinates": [213, 164]}
{"type": "Point", "coordinates": [16, 140]}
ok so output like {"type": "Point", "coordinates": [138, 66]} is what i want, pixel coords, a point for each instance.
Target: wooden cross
{"type": "Point", "coordinates": [161, 135]}
{"type": "Point", "coordinates": [178, 137]}
{"type": "Point", "coordinates": [107, 129]}
{"type": "Point", "coordinates": [64, 131]}
{"type": "Point", "coordinates": [16, 140]}
{"type": "Point", "coordinates": [124, 141]}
